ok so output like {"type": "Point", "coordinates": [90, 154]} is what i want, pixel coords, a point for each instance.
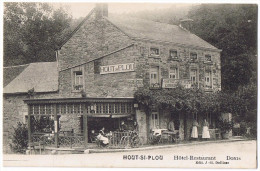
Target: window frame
{"type": "Point", "coordinates": [173, 58]}
{"type": "Point", "coordinates": [153, 72]}
{"type": "Point", "coordinates": [196, 76]}
{"type": "Point", "coordinates": [80, 81]}
{"type": "Point", "coordinates": [193, 60]}
{"type": "Point", "coordinates": [150, 49]}
{"type": "Point", "coordinates": [210, 79]}
{"type": "Point", "coordinates": [207, 61]}
{"type": "Point", "coordinates": [176, 72]}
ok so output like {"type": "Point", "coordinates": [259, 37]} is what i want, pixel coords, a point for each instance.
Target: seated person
{"type": "Point", "coordinates": [92, 136]}
{"type": "Point", "coordinates": [102, 137]}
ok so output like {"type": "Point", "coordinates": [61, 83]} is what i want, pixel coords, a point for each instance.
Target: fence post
{"type": "Point", "coordinates": [29, 128]}
{"type": "Point", "coordinates": [55, 126]}
{"type": "Point", "coordinates": [85, 125]}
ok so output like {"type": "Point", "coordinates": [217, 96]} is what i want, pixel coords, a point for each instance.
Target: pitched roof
{"type": "Point", "coordinates": [145, 29]}
{"type": "Point", "coordinates": [12, 72]}
{"type": "Point", "coordinates": [43, 77]}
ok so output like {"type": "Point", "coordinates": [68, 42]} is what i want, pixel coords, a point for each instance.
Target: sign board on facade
{"type": "Point", "coordinates": [109, 69]}
{"type": "Point", "coordinates": [172, 83]}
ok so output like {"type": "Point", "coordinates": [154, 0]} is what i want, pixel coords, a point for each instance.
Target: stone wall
{"type": "Point", "coordinates": [95, 38]}
{"type": "Point", "coordinates": [144, 61]}
{"type": "Point", "coordinates": [14, 111]}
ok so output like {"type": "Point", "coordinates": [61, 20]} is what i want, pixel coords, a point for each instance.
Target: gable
{"type": "Point", "coordinates": [95, 38]}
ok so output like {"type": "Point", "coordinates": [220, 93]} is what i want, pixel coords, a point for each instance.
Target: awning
{"type": "Point", "coordinates": [79, 100]}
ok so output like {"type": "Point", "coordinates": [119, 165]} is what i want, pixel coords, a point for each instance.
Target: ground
{"type": "Point", "coordinates": [242, 153]}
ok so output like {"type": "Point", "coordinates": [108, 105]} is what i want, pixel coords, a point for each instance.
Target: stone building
{"type": "Point", "coordinates": [105, 60]}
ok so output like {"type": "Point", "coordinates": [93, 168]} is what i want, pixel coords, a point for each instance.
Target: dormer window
{"type": "Point", "coordinates": [154, 52]}
{"type": "Point", "coordinates": [207, 58]}
{"type": "Point", "coordinates": [173, 55]}
{"type": "Point", "coordinates": [193, 57]}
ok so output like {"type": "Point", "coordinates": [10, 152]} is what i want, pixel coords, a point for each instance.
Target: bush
{"type": "Point", "coordinates": [20, 138]}
{"type": "Point", "coordinates": [224, 125]}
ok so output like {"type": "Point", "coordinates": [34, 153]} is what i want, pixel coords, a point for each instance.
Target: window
{"type": "Point", "coordinates": [207, 58]}
{"type": "Point", "coordinates": [173, 73]}
{"type": "Point", "coordinates": [154, 76]}
{"type": "Point", "coordinates": [155, 120]}
{"type": "Point", "coordinates": [193, 76]}
{"type": "Point", "coordinates": [208, 79]}
{"type": "Point", "coordinates": [154, 52]}
{"type": "Point", "coordinates": [193, 57]}
{"type": "Point", "coordinates": [78, 80]}
{"type": "Point", "coordinates": [173, 54]}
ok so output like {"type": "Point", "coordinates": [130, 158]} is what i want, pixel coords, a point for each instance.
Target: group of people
{"type": "Point", "coordinates": [103, 138]}
{"type": "Point", "coordinates": [205, 130]}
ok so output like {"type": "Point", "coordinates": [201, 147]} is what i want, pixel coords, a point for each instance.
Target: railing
{"type": "Point", "coordinates": [120, 139]}
{"type": "Point", "coordinates": [75, 140]}
{"type": "Point", "coordinates": [48, 139]}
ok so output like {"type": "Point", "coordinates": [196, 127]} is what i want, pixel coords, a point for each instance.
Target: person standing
{"type": "Point", "coordinates": [171, 126]}
{"type": "Point", "coordinates": [194, 132]}
{"type": "Point", "coordinates": [205, 130]}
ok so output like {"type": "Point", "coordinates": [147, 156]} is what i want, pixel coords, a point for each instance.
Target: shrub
{"type": "Point", "coordinates": [20, 138]}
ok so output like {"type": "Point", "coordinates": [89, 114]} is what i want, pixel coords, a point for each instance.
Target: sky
{"type": "Point", "coordinates": [78, 10]}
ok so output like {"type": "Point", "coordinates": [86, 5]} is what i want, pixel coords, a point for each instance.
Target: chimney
{"type": "Point", "coordinates": [186, 24]}
{"type": "Point", "coordinates": [101, 10]}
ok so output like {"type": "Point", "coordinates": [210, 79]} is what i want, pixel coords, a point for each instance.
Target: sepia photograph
{"type": "Point", "coordinates": [129, 85]}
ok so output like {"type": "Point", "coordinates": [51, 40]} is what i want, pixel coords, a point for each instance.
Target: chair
{"type": "Point", "coordinates": [165, 137]}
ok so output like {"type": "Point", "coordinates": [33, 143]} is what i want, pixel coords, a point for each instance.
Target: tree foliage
{"type": "Point", "coordinates": [20, 138]}
{"type": "Point", "coordinates": [232, 28]}
{"type": "Point", "coordinates": [32, 31]}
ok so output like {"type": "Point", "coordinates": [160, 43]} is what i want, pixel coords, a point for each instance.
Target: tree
{"type": "Point", "coordinates": [32, 31]}
{"type": "Point", "coordinates": [232, 28]}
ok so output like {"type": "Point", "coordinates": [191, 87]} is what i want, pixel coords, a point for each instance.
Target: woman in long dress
{"type": "Point", "coordinates": [194, 132]}
{"type": "Point", "coordinates": [102, 137]}
{"type": "Point", "coordinates": [205, 130]}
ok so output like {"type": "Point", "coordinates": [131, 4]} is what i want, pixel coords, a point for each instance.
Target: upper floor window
{"type": "Point", "coordinates": [193, 76]}
{"type": "Point", "coordinates": [154, 52]}
{"type": "Point", "coordinates": [154, 77]}
{"type": "Point", "coordinates": [193, 57]}
{"type": "Point", "coordinates": [207, 58]}
{"type": "Point", "coordinates": [208, 83]}
{"type": "Point", "coordinates": [173, 54]}
{"type": "Point", "coordinates": [173, 73]}
{"type": "Point", "coordinates": [78, 80]}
